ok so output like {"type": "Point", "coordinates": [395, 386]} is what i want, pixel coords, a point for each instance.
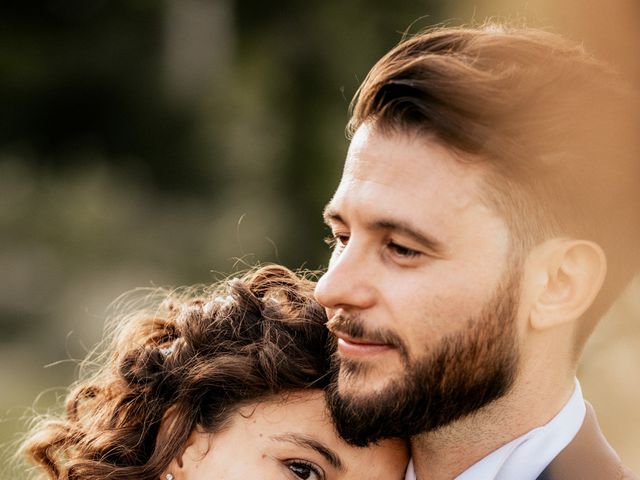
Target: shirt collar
{"type": "Point", "coordinates": [528, 455]}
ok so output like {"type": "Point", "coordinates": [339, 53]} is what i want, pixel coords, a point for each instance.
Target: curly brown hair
{"type": "Point", "coordinates": [199, 358]}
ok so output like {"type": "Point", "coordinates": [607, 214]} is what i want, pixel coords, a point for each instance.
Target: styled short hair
{"type": "Point", "coordinates": [199, 357]}
{"type": "Point", "coordinates": [557, 129]}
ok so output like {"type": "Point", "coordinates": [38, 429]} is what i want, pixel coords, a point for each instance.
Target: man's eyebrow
{"type": "Point", "coordinates": [408, 230]}
{"type": "Point", "coordinates": [305, 441]}
{"type": "Point", "coordinates": [332, 216]}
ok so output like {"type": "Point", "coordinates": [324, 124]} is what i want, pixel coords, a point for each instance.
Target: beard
{"type": "Point", "coordinates": [463, 372]}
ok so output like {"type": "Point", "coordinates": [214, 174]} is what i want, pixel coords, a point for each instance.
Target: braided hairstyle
{"type": "Point", "coordinates": [197, 358]}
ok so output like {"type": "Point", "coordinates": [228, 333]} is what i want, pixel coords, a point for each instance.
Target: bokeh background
{"type": "Point", "coordinates": [149, 142]}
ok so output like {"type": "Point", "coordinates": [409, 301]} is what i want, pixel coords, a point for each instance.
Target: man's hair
{"type": "Point", "coordinates": [191, 361]}
{"type": "Point", "coordinates": [555, 127]}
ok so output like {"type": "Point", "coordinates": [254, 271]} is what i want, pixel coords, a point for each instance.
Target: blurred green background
{"type": "Point", "coordinates": [159, 142]}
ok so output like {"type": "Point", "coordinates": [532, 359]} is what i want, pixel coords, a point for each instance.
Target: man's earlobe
{"type": "Point", "coordinates": [572, 272]}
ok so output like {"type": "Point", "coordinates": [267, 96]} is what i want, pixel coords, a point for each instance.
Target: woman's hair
{"type": "Point", "coordinates": [187, 362]}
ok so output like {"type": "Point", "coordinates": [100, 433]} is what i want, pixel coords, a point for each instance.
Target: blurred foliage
{"type": "Point", "coordinates": [159, 142]}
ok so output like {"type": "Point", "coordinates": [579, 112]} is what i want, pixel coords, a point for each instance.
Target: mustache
{"type": "Point", "coordinates": [354, 327]}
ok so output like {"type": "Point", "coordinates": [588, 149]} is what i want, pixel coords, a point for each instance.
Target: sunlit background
{"type": "Point", "coordinates": [162, 142]}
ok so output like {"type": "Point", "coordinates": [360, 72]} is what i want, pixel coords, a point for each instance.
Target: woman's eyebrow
{"type": "Point", "coordinates": [305, 441]}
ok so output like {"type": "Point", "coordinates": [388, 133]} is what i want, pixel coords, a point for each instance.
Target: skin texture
{"type": "Point", "coordinates": [282, 439]}
{"type": "Point", "coordinates": [394, 189]}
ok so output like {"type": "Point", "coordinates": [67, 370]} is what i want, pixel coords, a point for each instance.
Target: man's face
{"type": "Point", "coordinates": [421, 290]}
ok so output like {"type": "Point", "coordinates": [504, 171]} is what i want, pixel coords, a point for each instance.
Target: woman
{"type": "Point", "coordinates": [224, 386]}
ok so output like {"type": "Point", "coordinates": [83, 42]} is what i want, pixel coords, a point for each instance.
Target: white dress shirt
{"type": "Point", "coordinates": [527, 456]}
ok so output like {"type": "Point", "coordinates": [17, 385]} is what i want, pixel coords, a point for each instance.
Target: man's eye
{"type": "Point", "coordinates": [305, 470]}
{"type": "Point", "coordinates": [337, 240]}
{"type": "Point", "coordinates": [401, 251]}
{"type": "Point", "coordinates": [330, 240]}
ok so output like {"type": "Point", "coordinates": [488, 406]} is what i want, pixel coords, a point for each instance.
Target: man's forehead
{"type": "Point", "coordinates": [408, 156]}
{"type": "Point", "coordinates": [412, 166]}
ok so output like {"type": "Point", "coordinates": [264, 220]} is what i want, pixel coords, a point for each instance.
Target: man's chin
{"type": "Point", "coordinates": [364, 379]}
{"type": "Point", "coordinates": [360, 408]}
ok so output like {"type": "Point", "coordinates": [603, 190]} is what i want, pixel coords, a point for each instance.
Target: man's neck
{"type": "Point", "coordinates": [449, 451]}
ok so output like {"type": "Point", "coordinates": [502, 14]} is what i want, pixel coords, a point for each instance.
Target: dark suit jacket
{"type": "Point", "coordinates": [587, 457]}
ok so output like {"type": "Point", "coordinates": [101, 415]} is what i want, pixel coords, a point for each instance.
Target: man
{"type": "Point", "coordinates": [487, 217]}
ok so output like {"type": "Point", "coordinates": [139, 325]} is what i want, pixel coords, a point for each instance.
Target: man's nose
{"type": "Point", "coordinates": [348, 282]}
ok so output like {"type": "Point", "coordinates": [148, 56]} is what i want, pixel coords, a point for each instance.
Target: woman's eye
{"type": "Point", "coordinates": [305, 470]}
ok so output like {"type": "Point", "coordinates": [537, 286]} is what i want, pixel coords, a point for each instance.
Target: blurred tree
{"type": "Point", "coordinates": [82, 79]}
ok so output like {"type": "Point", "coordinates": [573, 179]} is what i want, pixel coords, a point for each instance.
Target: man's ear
{"type": "Point", "coordinates": [568, 274]}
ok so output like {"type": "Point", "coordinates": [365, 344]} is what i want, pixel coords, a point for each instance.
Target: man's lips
{"type": "Point", "coordinates": [360, 347]}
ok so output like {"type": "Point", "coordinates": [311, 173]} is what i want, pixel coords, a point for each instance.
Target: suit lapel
{"type": "Point", "coordinates": [587, 457]}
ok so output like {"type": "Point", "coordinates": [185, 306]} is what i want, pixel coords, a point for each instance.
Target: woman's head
{"type": "Point", "coordinates": [195, 368]}
{"type": "Point", "coordinates": [288, 436]}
